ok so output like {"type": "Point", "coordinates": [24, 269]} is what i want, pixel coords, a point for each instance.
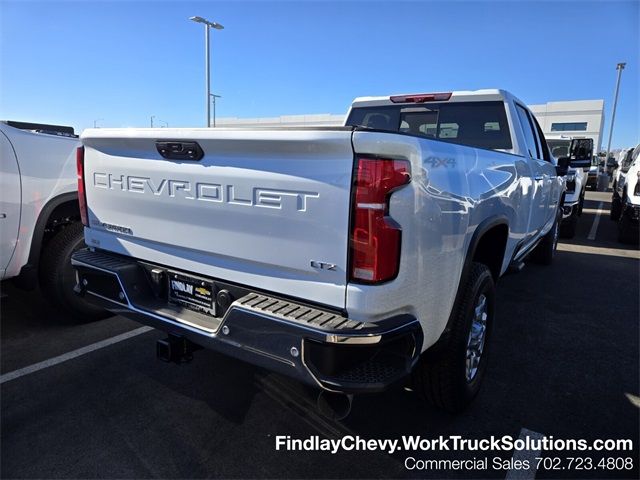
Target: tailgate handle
{"type": "Point", "coordinates": [179, 150]}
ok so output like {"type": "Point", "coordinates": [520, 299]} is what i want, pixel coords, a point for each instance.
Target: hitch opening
{"type": "Point", "coordinates": [176, 349]}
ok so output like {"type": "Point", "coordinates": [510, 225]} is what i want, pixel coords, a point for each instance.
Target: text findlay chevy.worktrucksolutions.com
{"type": "Point", "coordinates": [451, 443]}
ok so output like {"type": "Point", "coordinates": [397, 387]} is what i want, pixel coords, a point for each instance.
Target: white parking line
{"type": "Point", "coordinates": [71, 355]}
{"type": "Point", "coordinates": [596, 221]}
{"type": "Point", "coordinates": [529, 455]}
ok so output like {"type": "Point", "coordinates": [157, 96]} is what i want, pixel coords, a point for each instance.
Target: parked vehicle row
{"type": "Point", "coordinates": [625, 200]}
{"type": "Point", "coordinates": [575, 179]}
{"type": "Point", "coordinates": [363, 273]}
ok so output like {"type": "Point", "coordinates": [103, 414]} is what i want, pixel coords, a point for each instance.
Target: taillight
{"type": "Point", "coordinates": [375, 237]}
{"type": "Point", "coordinates": [82, 197]}
{"type": "Point", "coordinates": [421, 97]}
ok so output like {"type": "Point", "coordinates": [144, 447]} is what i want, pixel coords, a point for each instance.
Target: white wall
{"type": "Point", "coordinates": [320, 119]}
{"type": "Point", "coordinates": [589, 111]}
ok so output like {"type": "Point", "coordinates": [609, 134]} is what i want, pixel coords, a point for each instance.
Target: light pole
{"type": "Point", "coordinates": [95, 122]}
{"type": "Point", "coordinates": [207, 63]}
{"type": "Point", "coordinates": [214, 96]}
{"type": "Point", "coordinates": [152, 117]}
{"type": "Point", "coordinates": [603, 178]}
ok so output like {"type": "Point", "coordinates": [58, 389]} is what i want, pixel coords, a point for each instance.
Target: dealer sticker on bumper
{"type": "Point", "coordinates": [192, 293]}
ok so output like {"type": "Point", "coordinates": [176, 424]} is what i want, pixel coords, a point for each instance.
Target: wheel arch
{"type": "Point", "coordinates": [489, 229]}
{"type": "Point", "coordinates": [60, 207]}
{"type": "Point", "coordinates": [488, 245]}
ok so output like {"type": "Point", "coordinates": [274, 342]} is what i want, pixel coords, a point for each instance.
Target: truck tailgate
{"type": "Point", "coordinates": [262, 208]}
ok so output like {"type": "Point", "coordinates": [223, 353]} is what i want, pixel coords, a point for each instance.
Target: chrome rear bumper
{"type": "Point", "coordinates": [318, 346]}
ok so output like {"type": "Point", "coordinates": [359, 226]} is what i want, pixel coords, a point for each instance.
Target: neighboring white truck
{"type": "Point", "coordinates": [623, 163]}
{"type": "Point", "coordinates": [625, 201]}
{"type": "Point", "coordinates": [576, 178]}
{"type": "Point", "coordinates": [347, 257]}
{"type": "Point", "coordinates": [39, 214]}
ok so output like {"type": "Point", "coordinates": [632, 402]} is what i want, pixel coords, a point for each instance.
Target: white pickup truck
{"type": "Point", "coordinates": [576, 178]}
{"type": "Point", "coordinates": [39, 214]}
{"type": "Point", "coordinates": [351, 258]}
{"type": "Point", "coordinates": [625, 201]}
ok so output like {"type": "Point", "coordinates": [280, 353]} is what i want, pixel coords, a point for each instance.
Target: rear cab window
{"type": "Point", "coordinates": [475, 124]}
{"type": "Point", "coordinates": [533, 146]}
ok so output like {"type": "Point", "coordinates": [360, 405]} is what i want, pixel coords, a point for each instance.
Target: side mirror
{"type": "Point", "coordinates": [563, 166]}
{"type": "Point", "coordinates": [580, 152]}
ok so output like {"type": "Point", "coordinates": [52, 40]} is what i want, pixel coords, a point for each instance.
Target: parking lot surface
{"type": "Point", "coordinates": [564, 364]}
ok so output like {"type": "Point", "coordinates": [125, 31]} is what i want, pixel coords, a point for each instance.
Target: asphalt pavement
{"type": "Point", "coordinates": [564, 364]}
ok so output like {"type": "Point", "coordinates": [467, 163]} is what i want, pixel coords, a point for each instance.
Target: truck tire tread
{"type": "Point", "coordinates": [568, 226]}
{"type": "Point", "coordinates": [56, 275]}
{"type": "Point", "coordinates": [616, 208]}
{"type": "Point", "coordinates": [625, 233]}
{"type": "Point", "coordinates": [545, 251]}
{"type": "Point", "coordinates": [440, 376]}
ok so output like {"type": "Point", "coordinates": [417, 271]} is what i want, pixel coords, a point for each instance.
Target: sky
{"type": "Point", "coordinates": [120, 62]}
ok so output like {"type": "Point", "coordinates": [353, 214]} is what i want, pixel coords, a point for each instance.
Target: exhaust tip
{"type": "Point", "coordinates": [334, 406]}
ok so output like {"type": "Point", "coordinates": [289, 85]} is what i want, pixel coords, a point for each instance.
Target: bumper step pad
{"type": "Point", "coordinates": [297, 313]}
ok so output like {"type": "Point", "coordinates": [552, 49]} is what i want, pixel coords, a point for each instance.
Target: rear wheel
{"type": "Point", "coordinates": [57, 276]}
{"type": "Point", "coordinates": [626, 233]}
{"type": "Point", "coordinates": [581, 204]}
{"type": "Point", "coordinates": [569, 225]}
{"type": "Point", "coordinates": [616, 207]}
{"type": "Point", "coordinates": [545, 252]}
{"type": "Point", "coordinates": [450, 377]}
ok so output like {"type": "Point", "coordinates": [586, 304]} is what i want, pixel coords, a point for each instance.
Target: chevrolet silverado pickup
{"type": "Point", "coordinates": [39, 214]}
{"type": "Point", "coordinates": [352, 258]}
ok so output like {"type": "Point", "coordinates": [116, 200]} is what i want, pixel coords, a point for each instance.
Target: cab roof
{"type": "Point", "coordinates": [490, 94]}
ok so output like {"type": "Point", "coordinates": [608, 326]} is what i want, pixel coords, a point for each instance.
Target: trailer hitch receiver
{"type": "Point", "coordinates": [176, 349]}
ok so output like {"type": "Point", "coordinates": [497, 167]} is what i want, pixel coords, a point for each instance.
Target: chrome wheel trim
{"type": "Point", "coordinates": [477, 336]}
{"type": "Point", "coordinates": [556, 235]}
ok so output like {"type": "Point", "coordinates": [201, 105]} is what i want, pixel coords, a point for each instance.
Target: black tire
{"type": "Point", "coordinates": [626, 233]}
{"type": "Point", "coordinates": [441, 375]}
{"type": "Point", "coordinates": [616, 207]}
{"type": "Point", "coordinates": [57, 276]}
{"type": "Point", "coordinates": [581, 204]}
{"type": "Point", "coordinates": [568, 226]}
{"type": "Point", "coordinates": [545, 251]}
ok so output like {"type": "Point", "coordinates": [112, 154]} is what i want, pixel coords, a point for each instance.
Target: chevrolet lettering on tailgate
{"type": "Point", "coordinates": [208, 192]}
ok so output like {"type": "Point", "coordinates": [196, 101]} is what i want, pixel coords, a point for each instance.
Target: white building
{"type": "Point", "coordinates": [317, 120]}
{"type": "Point", "coordinates": [581, 118]}
{"type": "Point", "coordinates": [578, 118]}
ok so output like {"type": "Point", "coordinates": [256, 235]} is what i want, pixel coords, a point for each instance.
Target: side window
{"type": "Point", "coordinates": [527, 129]}
{"type": "Point", "coordinates": [543, 143]}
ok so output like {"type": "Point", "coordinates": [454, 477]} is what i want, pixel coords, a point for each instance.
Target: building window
{"type": "Point", "coordinates": [569, 127]}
